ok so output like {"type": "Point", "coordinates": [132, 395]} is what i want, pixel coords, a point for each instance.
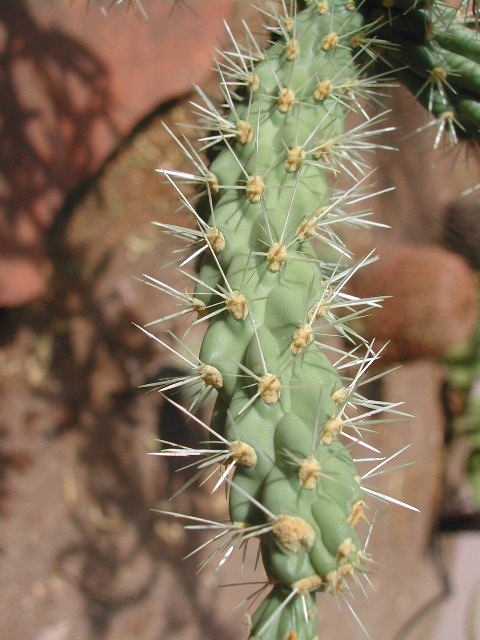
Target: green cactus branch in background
{"type": "Point", "coordinates": [463, 376]}
{"type": "Point", "coordinates": [435, 52]}
{"type": "Point", "coordinates": [290, 416]}
{"type": "Point", "coordinates": [461, 233]}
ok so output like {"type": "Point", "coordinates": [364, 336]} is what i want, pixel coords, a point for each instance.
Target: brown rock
{"type": "Point", "coordinates": [434, 303]}
{"type": "Point", "coordinates": [22, 278]}
{"type": "Point", "coordinates": [73, 84]}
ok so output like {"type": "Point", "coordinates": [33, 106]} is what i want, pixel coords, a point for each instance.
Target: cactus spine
{"type": "Point", "coordinates": [438, 57]}
{"type": "Point", "coordinates": [285, 418]}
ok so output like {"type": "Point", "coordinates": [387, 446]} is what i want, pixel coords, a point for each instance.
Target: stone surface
{"type": "Point", "coordinates": [432, 303]}
{"type": "Point", "coordinates": [74, 83]}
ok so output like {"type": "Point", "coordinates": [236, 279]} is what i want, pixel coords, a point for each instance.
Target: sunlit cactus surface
{"type": "Point", "coordinates": [292, 146]}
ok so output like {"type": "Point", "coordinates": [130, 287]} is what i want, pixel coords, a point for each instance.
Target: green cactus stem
{"type": "Point", "coordinates": [290, 414]}
{"type": "Point", "coordinates": [463, 376]}
{"type": "Point", "coordinates": [437, 58]}
{"type": "Point", "coordinates": [461, 233]}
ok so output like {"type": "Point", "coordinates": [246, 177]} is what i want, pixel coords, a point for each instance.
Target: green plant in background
{"type": "Point", "coordinates": [463, 375]}
{"type": "Point", "coordinates": [461, 233]}
{"type": "Point", "coordinates": [106, 5]}
{"type": "Point", "coordinates": [437, 56]}
{"type": "Point", "coordinates": [288, 171]}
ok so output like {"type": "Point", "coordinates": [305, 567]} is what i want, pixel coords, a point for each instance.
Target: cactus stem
{"type": "Point", "coordinates": [295, 99]}
{"type": "Point", "coordinates": [340, 396]}
{"type": "Point", "coordinates": [210, 119]}
{"type": "Point", "coordinates": [277, 612]}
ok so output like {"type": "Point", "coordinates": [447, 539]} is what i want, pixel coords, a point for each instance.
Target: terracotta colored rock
{"type": "Point", "coordinates": [73, 84]}
{"type": "Point", "coordinates": [434, 303]}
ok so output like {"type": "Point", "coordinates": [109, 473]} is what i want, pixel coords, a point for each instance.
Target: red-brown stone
{"type": "Point", "coordinates": [432, 304]}
{"type": "Point", "coordinates": [73, 84]}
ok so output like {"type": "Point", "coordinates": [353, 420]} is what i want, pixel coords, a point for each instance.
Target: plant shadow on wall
{"type": "Point", "coordinates": [121, 550]}
{"type": "Point", "coordinates": [28, 164]}
{"type": "Point", "coordinates": [54, 95]}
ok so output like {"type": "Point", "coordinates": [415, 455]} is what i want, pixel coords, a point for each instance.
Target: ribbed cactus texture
{"type": "Point", "coordinates": [270, 281]}
{"type": "Point", "coordinates": [286, 400]}
{"type": "Point", "coordinates": [461, 233]}
{"type": "Point", "coordinates": [436, 51]}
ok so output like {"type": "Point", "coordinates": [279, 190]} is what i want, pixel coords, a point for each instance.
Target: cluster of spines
{"type": "Point", "coordinates": [437, 57]}
{"type": "Point", "coordinates": [136, 5]}
{"type": "Point", "coordinates": [272, 300]}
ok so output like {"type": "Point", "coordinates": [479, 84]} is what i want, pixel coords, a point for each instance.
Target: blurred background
{"type": "Point", "coordinates": [84, 90]}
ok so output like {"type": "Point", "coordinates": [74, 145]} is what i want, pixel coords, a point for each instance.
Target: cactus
{"type": "Point", "coordinates": [271, 275]}
{"type": "Point", "coordinates": [463, 376]}
{"type": "Point", "coordinates": [461, 233]}
{"type": "Point", "coordinates": [437, 57]}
